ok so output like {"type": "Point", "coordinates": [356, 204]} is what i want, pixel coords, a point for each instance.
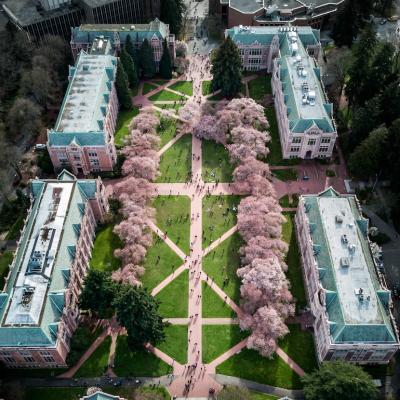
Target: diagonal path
{"type": "Point", "coordinates": [217, 242]}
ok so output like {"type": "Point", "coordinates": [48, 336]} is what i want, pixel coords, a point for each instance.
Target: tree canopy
{"type": "Point", "coordinates": [226, 69]}
{"type": "Point", "coordinates": [166, 62]}
{"type": "Point", "coordinates": [147, 60]}
{"type": "Point", "coordinates": [172, 13]}
{"type": "Point", "coordinates": [129, 67]}
{"type": "Point", "coordinates": [339, 380]}
{"type": "Point", "coordinates": [121, 84]}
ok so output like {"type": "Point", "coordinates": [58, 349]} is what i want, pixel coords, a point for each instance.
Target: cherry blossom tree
{"type": "Point", "coordinates": [128, 274]}
{"type": "Point", "coordinates": [190, 112]}
{"type": "Point", "coordinates": [207, 128]}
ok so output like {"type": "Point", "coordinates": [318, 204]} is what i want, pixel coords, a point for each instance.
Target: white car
{"type": "Point", "coordinates": [40, 146]}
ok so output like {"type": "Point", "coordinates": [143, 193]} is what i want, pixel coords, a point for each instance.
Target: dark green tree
{"type": "Point", "coordinates": [172, 12]}
{"type": "Point", "coordinates": [339, 380]}
{"type": "Point", "coordinates": [227, 69]}
{"type": "Point", "coordinates": [369, 156]}
{"type": "Point", "coordinates": [129, 47]}
{"type": "Point", "coordinates": [121, 84]}
{"type": "Point", "coordinates": [147, 60]}
{"type": "Point", "coordinates": [345, 29]}
{"type": "Point", "coordinates": [98, 293]}
{"type": "Point", "coordinates": [137, 311]}
{"type": "Point", "coordinates": [390, 102]}
{"type": "Point", "coordinates": [392, 162]}
{"type": "Point", "coordinates": [129, 68]}
{"type": "Point", "coordinates": [166, 62]}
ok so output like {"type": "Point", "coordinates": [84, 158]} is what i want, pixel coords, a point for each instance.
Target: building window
{"type": "Point", "coordinates": [323, 149]}
{"type": "Point", "coordinates": [255, 52]}
{"type": "Point", "coordinates": [295, 149]}
{"type": "Point", "coordinates": [311, 142]}
{"type": "Point", "coordinates": [241, 52]}
{"type": "Point", "coordinates": [77, 158]}
{"type": "Point", "coordinates": [92, 154]}
{"type": "Point", "coordinates": [29, 359]}
{"type": "Point", "coordinates": [296, 140]}
{"type": "Point", "coordinates": [325, 140]}
{"type": "Point", "coordinates": [254, 60]}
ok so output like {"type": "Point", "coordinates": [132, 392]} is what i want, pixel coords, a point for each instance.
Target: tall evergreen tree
{"type": "Point", "coordinates": [166, 62]}
{"type": "Point", "coordinates": [172, 14]}
{"type": "Point", "coordinates": [147, 60]}
{"type": "Point", "coordinates": [227, 69]}
{"type": "Point", "coordinates": [121, 84]}
{"type": "Point", "coordinates": [129, 68]}
{"type": "Point", "coordinates": [130, 48]}
{"type": "Point", "coordinates": [137, 311]}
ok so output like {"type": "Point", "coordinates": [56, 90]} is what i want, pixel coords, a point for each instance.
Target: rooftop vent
{"type": "Point", "coordinates": [338, 219]}
{"type": "Point", "coordinates": [345, 240]}
{"type": "Point", "coordinates": [132, 27]}
{"type": "Point", "coordinates": [344, 262]}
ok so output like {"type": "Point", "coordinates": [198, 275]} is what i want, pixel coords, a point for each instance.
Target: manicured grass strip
{"type": "Point", "coordinates": [299, 346]}
{"type": "Point", "coordinates": [248, 364]}
{"type": "Point", "coordinates": [160, 261]}
{"type": "Point", "coordinates": [174, 297]}
{"type": "Point", "coordinates": [148, 87]}
{"type": "Point", "coordinates": [222, 263]}
{"type": "Point", "coordinates": [105, 243]}
{"type": "Point", "coordinates": [294, 272]}
{"type": "Point", "coordinates": [216, 164]}
{"type": "Point", "coordinates": [285, 202]}
{"type": "Point", "coordinates": [176, 162]}
{"type": "Point", "coordinates": [206, 87]}
{"type": "Point", "coordinates": [166, 130]}
{"type": "Point", "coordinates": [5, 261]}
{"type": "Point", "coordinates": [260, 87]}
{"type": "Point", "coordinates": [275, 151]}
{"type": "Point", "coordinates": [55, 393]}
{"type": "Point", "coordinates": [165, 95]}
{"type": "Point", "coordinates": [185, 87]}
{"type": "Point", "coordinates": [175, 344]}
{"type": "Point", "coordinates": [97, 363]}
{"type": "Point", "coordinates": [121, 130]}
{"type": "Point", "coordinates": [137, 363]}
{"type": "Point", "coordinates": [217, 339]}
{"type": "Point", "coordinates": [173, 218]}
{"type": "Point", "coordinates": [285, 174]}
{"type": "Point", "coordinates": [218, 216]}
{"type": "Point", "coordinates": [213, 306]}
{"type": "Point", "coordinates": [262, 396]}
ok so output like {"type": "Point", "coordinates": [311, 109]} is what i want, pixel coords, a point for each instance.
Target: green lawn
{"type": "Point", "coordinates": [206, 87]}
{"type": "Point", "coordinates": [96, 364]}
{"type": "Point", "coordinates": [175, 344]}
{"type": "Point", "coordinates": [185, 87]}
{"type": "Point", "coordinates": [176, 162]}
{"type": "Point", "coordinates": [159, 262]}
{"type": "Point", "coordinates": [217, 339]}
{"type": "Point", "coordinates": [285, 174]}
{"type": "Point", "coordinates": [218, 216]}
{"type": "Point", "coordinates": [299, 346]}
{"type": "Point", "coordinates": [216, 164]}
{"type": "Point", "coordinates": [166, 130]}
{"type": "Point", "coordinates": [275, 152]}
{"type": "Point", "coordinates": [5, 260]}
{"type": "Point", "coordinates": [216, 97]}
{"type": "Point", "coordinates": [174, 297]}
{"type": "Point", "coordinates": [285, 201]}
{"type": "Point", "coordinates": [148, 87]}
{"type": "Point", "coordinates": [248, 364]}
{"type": "Point", "coordinates": [260, 87]}
{"type": "Point", "coordinates": [221, 265]}
{"type": "Point", "coordinates": [137, 363]}
{"type": "Point", "coordinates": [294, 272]}
{"type": "Point", "coordinates": [173, 218]}
{"type": "Point", "coordinates": [171, 107]}
{"type": "Point", "coordinates": [165, 95]}
{"type": "Point", "coordinates": [121, 130]}
{"type": "Point", "coordinates": [262, 396]}
{"type": "Point", "coordinates": [213, 306]}
{"type": "Point", "coordinates": [105, 243]}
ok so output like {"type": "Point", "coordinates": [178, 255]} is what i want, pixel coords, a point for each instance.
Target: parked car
{"type": "Point", "coordinates": [40, 146]}
{"type": "Point", "coordinates": [393, 18]}
{"type": "Point", "coordinates": [383, 21]}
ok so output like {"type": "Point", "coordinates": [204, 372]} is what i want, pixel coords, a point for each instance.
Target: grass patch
{"type": "Point", "coordinates": [137, 363]}
{"type": "Point", "coordinates": [330, 173]}
{"type": "Point", "coordinates": [217, 339]}
{"type": "Point", "coordinates": [185, 87]}
{"type": "Point", "coordinates": [165, 95]}
{"type": "Point", "coordinates": [105, 243]}
{"type": "Point", "coordinates": [174, 297]}
{"type": "Point", "coordinates": [218, 216]}
{"type": "Point", "coordinates": [261, 396]}
{"type": "Point", "coordinates": [96, 364]}
{"type": "Point", "coordinates": [173, 218]}
{"type": "Point", "coordinates": [171, 107]}
{"type": "Point", "coordinates": [123, 121]}
{"type": "Point", "coordinates": [159, 262]}
{"type": "Point", "coordinates": [299, 346]}
{"type": "Point", "coordinates": [166, 130]}
{"type": "Point", "coordinates": [285, 174]}
{"type": "Point", "coordinates": [248, 364]}
{"type": "Point", "coordinates": [275, 151]}
{"type": "Point", "coordinates": [260, 87]}
{"type": "Point", "coordinates": [216, 164]}
{"type": "Point", "coordinates": [148, 87]}
{"type": "Point", "coordinates": [213, 306]}
{"type": "Point", "coordinates": [216, 97]}
{"type": "Point", "coordinates": [176, 162]}
{"type": "Point", "coordinates": [294, 272]}
{"type": "Point", "coordinates": [286, 202]}
{"type": "Point", "coordinates": [221, 265]}
{"type": "Point", "coordinates": [175, 344]}
{"type": "Point", "coordinates": [5, 261]}
{"type": "Point", "coordinates": [144, 392]}
{"type": "Point", "coordinates": [206, 87]}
